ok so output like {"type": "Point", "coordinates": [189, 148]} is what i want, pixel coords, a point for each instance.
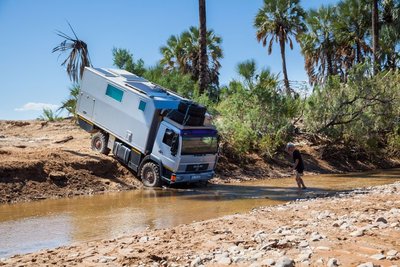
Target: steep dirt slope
{"type": "Point", "coordinates": [41, 160]}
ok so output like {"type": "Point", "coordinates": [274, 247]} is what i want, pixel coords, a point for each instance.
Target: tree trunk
{"type": "Point", "coordinates": [330, 66]}
{"type": "Point", "coordinates": [392, 59]}
{"type": "Point", "coordinates": [203, 47]}
{"type": "Point", "coordinates": [358, 52]}
{"type": "Point", "coordinates": [375, 35]}
{"type": "Point", "coordinates": [285, 76]}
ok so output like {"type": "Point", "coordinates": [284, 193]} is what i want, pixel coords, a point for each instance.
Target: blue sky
{"type": "Point", "coordinates": [31, 76]}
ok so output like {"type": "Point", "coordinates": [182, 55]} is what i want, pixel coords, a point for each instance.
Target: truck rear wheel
{"type": "Point", "coordinates": [150, 174]}
{"type": "Point", "coordinates": [99, 143]}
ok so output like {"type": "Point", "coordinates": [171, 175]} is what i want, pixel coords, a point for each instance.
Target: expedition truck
{"type": "Point", "coordinates": [160, 135]}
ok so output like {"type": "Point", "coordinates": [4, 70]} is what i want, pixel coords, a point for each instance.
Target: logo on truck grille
{"type": "Point", "coordinates": [196, 167]}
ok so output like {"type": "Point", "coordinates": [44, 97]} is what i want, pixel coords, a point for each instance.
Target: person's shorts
{"type": "Point", "coordinates": [300, 171]}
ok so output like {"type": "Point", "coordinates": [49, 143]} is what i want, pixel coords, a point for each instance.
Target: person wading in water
{"type": "Point", "coordinates": [298, 165]}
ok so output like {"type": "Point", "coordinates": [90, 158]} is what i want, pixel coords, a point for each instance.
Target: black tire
{"type": "Point", "coordinates": [150, 174]}
{"type": "Point", "coordinates": [179, 117]}
{"type": "Point", "coordinates": [99, 143]}
{"type": "Point", "coordinates": [192, 109]}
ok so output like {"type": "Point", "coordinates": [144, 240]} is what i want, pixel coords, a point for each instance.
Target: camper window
{"type": "Point", "coordinates": [115, 93]}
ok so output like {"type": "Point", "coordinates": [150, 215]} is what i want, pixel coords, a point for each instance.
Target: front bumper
{"type": "Point", "coordinates": [191, 177]}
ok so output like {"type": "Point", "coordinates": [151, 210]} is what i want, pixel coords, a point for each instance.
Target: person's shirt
{"type": "Point", "coordinates": [297, 155]}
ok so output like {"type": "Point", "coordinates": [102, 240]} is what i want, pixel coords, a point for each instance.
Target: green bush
{"type": "Point", "coordinates": [257, 120]}
{"type": "Point", "coordinates": [393, 142]}
{"type": "Point", "coordinates": [49, 115]}
{"type": "Point", "coordinates": [363, 112]}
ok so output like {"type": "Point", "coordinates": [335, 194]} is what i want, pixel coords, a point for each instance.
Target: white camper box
{"type": "Point", "coordinates": [123, 104]}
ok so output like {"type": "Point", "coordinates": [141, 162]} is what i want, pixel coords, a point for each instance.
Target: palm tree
{"type": "Point", "coordinates": [247, 69]}
{"type": "Point", "coordinates": [173, 54]}
{"type": "Point", "coordinates": [78, 57]}
{"type": "Point", "coordinates": [375, 34]}
{"type": "Point", "coordinates": [182, 53]}
{"type": "Point", "coordinates": [256, 80]}
{"type": "Point", "coordinates": [70, 104]}
{"type": "Point", "coordinates": [279, 21]}
{"type": "Point", "coordinates": [319, 44]}
{"type": "Point", "coordinates": [390, 34]}
{"type": "Point", "coordinates": [203, 47]}
{"type": "Point", "coordinates": [352, 27]}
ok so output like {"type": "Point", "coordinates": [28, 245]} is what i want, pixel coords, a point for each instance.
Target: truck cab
{"type": "Point", "coordinates": [188, 154]}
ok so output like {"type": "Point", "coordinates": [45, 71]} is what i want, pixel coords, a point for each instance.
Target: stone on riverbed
{"type": "Point", "coordinates": [392, 252]}
{"type": "Point", "coordinates": [332, 262]}
{"type": "Point", "coordinates": [382, 220]}
{"type": "Point", "coordinates": [367, 264]}
{"type": "Point", "coordinates": [284, 262]}
{"type": "Point", "coordinates": [196, 262]}
{"type": "Point", "coordinates": [268, 262]}
{"type": "Point", "coordinates": [105, 259]}
{"type": "Point", "coordinates": [378, 257]}
{"type": "Point", "coordinates": [304, 256]}
{"type": "Point", "coordinates": [357, 233]}
{"type": "Point", "coordinates": [224, 261]}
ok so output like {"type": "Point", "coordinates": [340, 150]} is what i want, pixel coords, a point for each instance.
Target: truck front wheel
{"type": "Point", "coordinates": [99, 143]}
{"type": "Point", "coordinates": [150, 174]}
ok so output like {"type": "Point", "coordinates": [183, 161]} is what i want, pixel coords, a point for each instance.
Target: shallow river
{"type": "Point", "coordinates": [32, 226]}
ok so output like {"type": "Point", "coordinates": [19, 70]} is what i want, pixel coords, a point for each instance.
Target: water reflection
{"type": "Point", "coordinates": [28, 227]}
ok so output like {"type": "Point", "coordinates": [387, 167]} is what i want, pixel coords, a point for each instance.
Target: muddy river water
{"type": "Point", "coordinates": [28, 227]}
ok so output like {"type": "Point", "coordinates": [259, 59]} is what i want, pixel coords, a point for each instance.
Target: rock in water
{"type": "Point", "coordinates": [284, 262]}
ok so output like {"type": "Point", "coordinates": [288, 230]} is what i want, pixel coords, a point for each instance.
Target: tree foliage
{"type": "Point", "coordinates": [173, 80]}
{"type": "Point", "coordinates": [181, 53]}
{"type": "Point", "coordinates": [340, 37]}
{"type": "Point", "coordinates": [123, 59]}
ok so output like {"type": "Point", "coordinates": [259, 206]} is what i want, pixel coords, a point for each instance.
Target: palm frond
{"type": "Point", "coordinates": [78, 57]}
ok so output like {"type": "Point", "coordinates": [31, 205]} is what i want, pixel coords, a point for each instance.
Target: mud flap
{"type": "Point", "coordinates": [86, 125]}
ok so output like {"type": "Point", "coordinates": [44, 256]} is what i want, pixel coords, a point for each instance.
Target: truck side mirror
{"type": "Point", "coordinates": [175, 145]}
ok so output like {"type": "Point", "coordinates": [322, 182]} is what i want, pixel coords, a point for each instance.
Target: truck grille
{"type": "Point", "coordinates": [196, 167]}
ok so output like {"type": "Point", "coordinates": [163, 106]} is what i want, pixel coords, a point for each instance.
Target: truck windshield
{"type": "Point", "coordinates": [199, 145]}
